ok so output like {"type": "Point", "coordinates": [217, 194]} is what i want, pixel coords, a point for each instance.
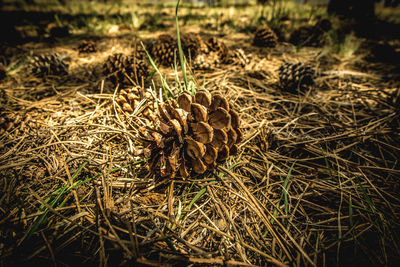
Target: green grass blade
{"type": "Point", "coordinates": [283, 196]}
{"type": "Point", "coordinates": [366, 197]}
{"type": "Point", "coordinates": [181, 57]}
{"type": "Point", "coordinates": [163, 81]}
{"type": "Point", "coordinates": [284, 192]}
{"type": "Point", "coordinates": [196, 197]}
{"type": "Point", "coordinates": [60, 193]}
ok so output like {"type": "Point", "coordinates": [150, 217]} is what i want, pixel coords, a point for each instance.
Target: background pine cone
{"type": "Point", "coordinates": [311, 35]}
{"type": "Point", "coordinates": [239, 57]}
{"type": "Point", "coordinates": [193, 45]}
{"type": "Point", "coordinates": [219, 47]}
{"type": "Point", "coordinates": [206, 61]}
{"type": "Point", "coordinates": [265, 37]}
{"type": "Point", "coordinates": [87, 47]}
{"type": "Point", "coordinates": [119, 67]}
{"type": "Point", "coordinates": [323, 25]}
{"type": "Point", "coordinates": [51, 64]}
{"type": "Point", "coordinates": [139, 51]}
{"type": "Point", "coordinates": [294, 76]}
{"type": "Point", "coordinates": [192, 134]}
{"type": "Point", "coordinates": [163, 49]}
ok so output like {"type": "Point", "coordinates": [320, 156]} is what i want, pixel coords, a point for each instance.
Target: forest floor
{"type": "Point", "coordinates": [315, 181]}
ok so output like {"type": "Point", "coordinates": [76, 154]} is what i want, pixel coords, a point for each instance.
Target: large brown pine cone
{"type": "Point", "coordinates": [125, 69]}
{"type": "Point", "coordinates": [265, 37]}
{"type": "Point", "coordinates": [163, 49]}
{"type": "Point", "coordinates": [193, 133]}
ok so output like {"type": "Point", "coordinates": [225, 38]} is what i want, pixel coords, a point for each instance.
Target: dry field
{"type": "Point", "coordinates": [314, 181]}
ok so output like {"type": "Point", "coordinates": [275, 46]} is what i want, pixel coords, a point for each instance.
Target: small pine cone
{"type": "Point", "coordinates": [51, 64]}
{"type": "Point", "coordinates": [136, 101]}
{"type": "Point", "coordinates": [163, 49]}
{"type": "Point", "coordinates": [193, 45]}
{"type": "Point", "coordinates": [219, 47]}
{"type": "Point", "coordinates": [87, 47]}
{"type": "Point", "coordinates": [206, 61]}
{"type": "Point", "coordinates": [324, 25]}
{"type": "Point", "coordinates": [311, 35]}
{"type": "Point", "coordinates": [193, 133]}
{"type": "Point", "coordinates": [294, 76]}
{"type": "Point", "coordinates": [125, 69]}
{"type": "Point", "coordinates": [265, 37]}
{"type": "Point", "coordinates": [302, 36]}
{"type": "Point", "coordinates": [239, 58]}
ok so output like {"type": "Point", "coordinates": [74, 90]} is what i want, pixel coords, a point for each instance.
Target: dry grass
{"type": "Point", "coordinates": [315, 181]}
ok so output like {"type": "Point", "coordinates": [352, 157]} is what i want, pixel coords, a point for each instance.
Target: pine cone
{"type": "Point", "coordinates": [51, 64]}
{"type": "Point", "coordinates": [311, 35]}
{"type": "Point", "coordinates": [125, 69]}
{"type": "Point", "coordinates": [323, 25]}
{"type": "Point", "coordinates": [206, 61]}
{"type": "Point", "coordinates": [192, 134]}
{"type": "Point", "coordinates": [294, 76]}
{"type": "Point", "coordinates": [140, 51]}
{"type": "Point", "coordinates": [163, 49]}
{"type": "Point", "coordinates": [303, 36]}
{"type": "Point", "coordinates": [136, 101]}
{"type": "Point", "coordinates": [87, 47]}
{"type": "Point", "coordinates": [265, 37]}
{"type": "Point", "coordinates": [239, 58]}
{"type": "Point", "coordinates": [193, 45]}
{"type": "Point", "coordinates": [219, 47]}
